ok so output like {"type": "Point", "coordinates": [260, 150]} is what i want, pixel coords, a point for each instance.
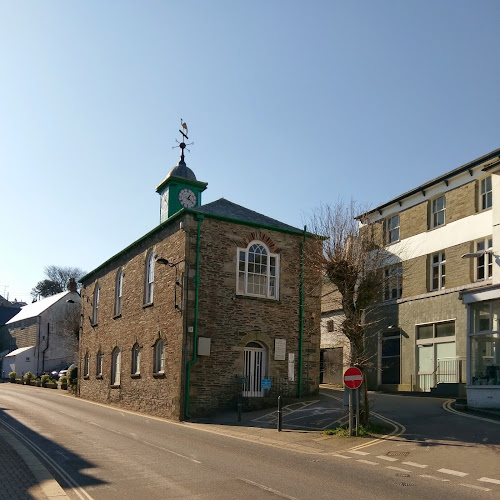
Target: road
{"type": "Point", "coordinates": [105, 453]}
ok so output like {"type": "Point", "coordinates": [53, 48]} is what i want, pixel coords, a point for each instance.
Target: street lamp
{"type": "Point", "coordinates": [168, 263]}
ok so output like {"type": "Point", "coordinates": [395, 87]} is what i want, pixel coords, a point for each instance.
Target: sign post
{"type": "Point", "coordinates": [353, 379]}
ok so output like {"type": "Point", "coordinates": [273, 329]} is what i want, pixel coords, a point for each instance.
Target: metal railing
{"type": "Point", "coordinates": [449, 370]}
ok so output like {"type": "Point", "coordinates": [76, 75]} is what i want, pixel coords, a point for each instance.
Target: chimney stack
{"type": "Point", "coordinates": [72, 285]}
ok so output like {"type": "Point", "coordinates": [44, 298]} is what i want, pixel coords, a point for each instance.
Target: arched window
{"type": "Point", "coordinates": [258, 271]}
{"type": "Point", "coordinates": [95, 304]}
{"type": "Point", "coordinates": [115, 366]}
{"type": "Point", "coordinates": [136, 360]}
{"type": "Point", "coordinates": [150, 277]}
{"type": "Point", "coordinates": [159, 357]}
{"type": "Point", "coordinates": [98, 366]}
{"type": "Point", "coordinates": [86, 365]}
{"type": "Point", "coordinates": [118, 292]}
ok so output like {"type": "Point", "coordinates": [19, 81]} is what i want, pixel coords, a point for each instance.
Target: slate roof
{"type": "Point", "coordinates": [6, 313]}
{"type": "Point", "coordinates": [36, 308]}
{"type": "Point", "coordinates": [18, 351]}
{"type": "Point", "coordinates": [230, 210]}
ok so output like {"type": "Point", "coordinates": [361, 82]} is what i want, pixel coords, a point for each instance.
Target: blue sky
{"type": "Point", "coordinates": [290, 104]}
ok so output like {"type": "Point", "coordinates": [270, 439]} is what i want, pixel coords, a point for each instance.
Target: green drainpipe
{"type": "Point", "coordinates": [301, 310]}
{"type": "Point", "coordinates": [199, 217]}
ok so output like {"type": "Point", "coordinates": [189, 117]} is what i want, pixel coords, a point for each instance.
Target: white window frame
{"type": "Point", "coordinates": [98, 364]}
{"type": "Point", "coordinates": [486, 193]}
{"type": "Point", "coordinates": [149, 278]}
{"type": "Point", "coordinates": [393, 278]}
{"type": "Point", "coordinates": [86, 365]}
{"type": "Point", "coordinates": [438, 267]}
{"type": "Point", "coordinates": [484, 261]}
{"type": "Point", "coordinates": [95, 304]}
{"type": "Point", "coordinates": [392, 226]}
{"type": "Point", "coordinates": [242, 271]}
{"type": "Point", "coordinates": [116, 358]}
{"type": "Point", "coordinates": [136, 360]}
{"type": "Point", "coordinates": [118, 292]}
{"type": "Point", "coordinates": [159, 357]}
{"type": "Point", "coordinates": [436, 212]}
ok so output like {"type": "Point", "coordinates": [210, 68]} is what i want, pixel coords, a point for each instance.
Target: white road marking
{"type": "Point", "coordinates": [340, 456]}
{"type": "Point", "coordinates": [489, 480]}
{"type": "Point", "coordinates": [266, 488]}
{"type": "Point", "coordinates": [396, 468]}
{"type": "Point", "coordinates": [172, 452]}
{"type": "Point", "coordinates": [453, 472]}
{"type": "Point", "coordinates": [475, 487]}
{"type": "Point", "coordinates": [389, 459]}
{"type": "Point", "coordinates": [358, 452]}
{"type": "Point", "coordinates": [413, 464]}
{"type": "Point", "coordinates": [367, 462]}
{"type": "Point", "coordinates": [433, 477]}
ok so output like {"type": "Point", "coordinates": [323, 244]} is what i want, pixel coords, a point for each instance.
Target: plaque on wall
{"type": "Point", "coordinates": [280, 349]}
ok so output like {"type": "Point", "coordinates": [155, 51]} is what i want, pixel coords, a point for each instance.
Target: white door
{"type": "Point", "coordinates": [254, 371]}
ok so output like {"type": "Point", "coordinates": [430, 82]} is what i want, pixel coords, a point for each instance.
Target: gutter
{"type": "Point", "coordinates": [301, 310]}
{"type": "Point", "coordinates": [200, 218]}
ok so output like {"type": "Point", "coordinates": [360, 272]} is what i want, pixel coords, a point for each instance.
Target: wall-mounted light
{"type": "Point", "coordinates": [475, 254]}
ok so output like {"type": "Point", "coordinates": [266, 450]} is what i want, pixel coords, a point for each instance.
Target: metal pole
{"type": "Point", "coordinates": [357, 411]}
{"type": "Point", "coordinates": [350, 412]}
{"type": "Point", "coordinates": [279, 414]}
{"type": "Point", "coordinates": [239, 412]}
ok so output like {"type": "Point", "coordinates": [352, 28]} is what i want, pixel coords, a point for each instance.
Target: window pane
{"type": "Point", "coordinates": [480, 317]}
{"type": "Point", "coordinates": [445, 329]}
{"type": "Point", "coordinates": [390, 347]}
{"type": "Point", "coordinates": [485, 359]}
{"type": "Point", "coordinates": [425, 332]}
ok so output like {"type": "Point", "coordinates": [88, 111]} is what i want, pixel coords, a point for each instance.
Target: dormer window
{"type": "Point", "coordinates": [258, 271]}
{"type": "Point", "coordinates": [393, 229]}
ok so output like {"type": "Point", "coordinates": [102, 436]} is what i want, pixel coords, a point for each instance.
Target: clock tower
{"type": "Point", "coordinates": [179, 189]}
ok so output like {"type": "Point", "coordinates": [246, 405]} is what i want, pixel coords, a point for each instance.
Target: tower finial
{"type": "Point", "coordinates": [182, 145]}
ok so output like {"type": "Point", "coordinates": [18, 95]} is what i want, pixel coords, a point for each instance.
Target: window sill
{"type": "Point", "coordinates": [94, 325]}
{"type": "Point", "coordinates": [159, 375]}
{"type": "Point", "coordinates": [115, 386]}
{"type": "Point", "coordinates": [256, 297]}
{"type": "Point", "coordinates": [149, 304]}
{"type": "Point", "coordinates": [135, 375]}
{"type": "Point", "coordinates": [86, 377]}
{"type": "Point", "coordinates": [98, 377]}
{"type": "Point", "coordinates": [116, 316]}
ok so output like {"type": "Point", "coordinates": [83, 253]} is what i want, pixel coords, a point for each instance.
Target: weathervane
{"type": "Point", "coordinates": [183, 144]}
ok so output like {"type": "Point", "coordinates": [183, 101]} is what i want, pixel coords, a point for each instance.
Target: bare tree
{"type": "Point", "coordinates": [56, 281]}
{"type": "Point", "coordinates": [353, 259]}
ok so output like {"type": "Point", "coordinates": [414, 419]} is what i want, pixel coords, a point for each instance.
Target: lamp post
{"type": "Point", "coordinates": [168, 263]}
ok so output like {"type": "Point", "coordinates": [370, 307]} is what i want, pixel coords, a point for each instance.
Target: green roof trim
{"type": "Point", "coordinates": [181, 180]}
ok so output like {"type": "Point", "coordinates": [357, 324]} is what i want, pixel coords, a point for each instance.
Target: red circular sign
{"type": "Point", "coordinates": [353, 377]}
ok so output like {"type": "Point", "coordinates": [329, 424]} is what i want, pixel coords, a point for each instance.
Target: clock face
{"type": "Point", "coordinates": [187, 198]}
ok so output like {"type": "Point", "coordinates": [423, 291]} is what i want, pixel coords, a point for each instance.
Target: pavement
{"type": "Point", "coordinates": [23, 476]}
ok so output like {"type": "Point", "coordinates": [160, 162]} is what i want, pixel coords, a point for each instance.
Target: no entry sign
{"type": "Point", "coordinates": [353, 377]}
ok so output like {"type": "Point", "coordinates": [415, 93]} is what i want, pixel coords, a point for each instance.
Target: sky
{"type": "Point", "coordinates": [290, 105]}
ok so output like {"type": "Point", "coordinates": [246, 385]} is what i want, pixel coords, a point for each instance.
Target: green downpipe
{"type": "Point", "coordinates": [301, 310]}
{"type": "Point", "coordinates": [199, 217]}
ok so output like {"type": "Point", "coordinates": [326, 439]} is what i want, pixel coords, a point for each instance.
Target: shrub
{"type": "Point", "coordinates": [45, 378]}
{"type": "Point", "coordinates": [64, 380]}
{"type": "Point", "coordinates": [12, 376]}
{"type": "Point", "coordinates": [72, 373]}
{"type": "Point", "coordinates": [28, 376]}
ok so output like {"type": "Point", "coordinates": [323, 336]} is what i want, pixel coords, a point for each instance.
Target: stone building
{"type": "Point", "coordinates": [438, 327]}
{"type": "Point", "coordinates": [205, 310]}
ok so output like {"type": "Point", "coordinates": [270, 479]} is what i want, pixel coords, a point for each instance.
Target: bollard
{"type": "Point", "coordinates": [279, 414]}
{"type": "Point", "coordinates": [239, 412]}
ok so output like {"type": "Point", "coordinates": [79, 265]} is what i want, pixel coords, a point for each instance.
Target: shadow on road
{"type": "Point", "coordinates": [57, 459]}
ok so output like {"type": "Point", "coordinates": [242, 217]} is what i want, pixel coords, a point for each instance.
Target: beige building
{"type": "Point", "coordinates": [206, 310]}
{"type": "Point", "coordinates": [437, 324]}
